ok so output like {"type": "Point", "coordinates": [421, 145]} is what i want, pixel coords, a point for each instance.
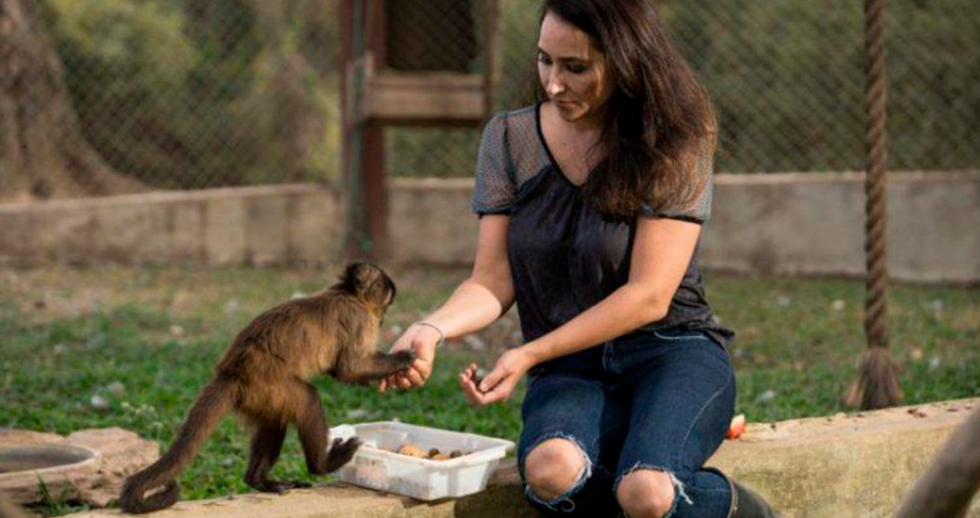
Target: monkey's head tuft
{"type": "Point", "coordinates": [368, 283]}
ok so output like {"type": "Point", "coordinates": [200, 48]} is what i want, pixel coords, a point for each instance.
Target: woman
{"type": "Point", "coordinates": [591, 204]}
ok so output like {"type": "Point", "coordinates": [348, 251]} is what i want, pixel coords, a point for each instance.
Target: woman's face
{"type": "Point", "coordinates": [573, 71]}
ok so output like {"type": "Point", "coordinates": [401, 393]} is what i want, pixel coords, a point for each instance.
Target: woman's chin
{"type": "Point", "coordinates": [569, 113]}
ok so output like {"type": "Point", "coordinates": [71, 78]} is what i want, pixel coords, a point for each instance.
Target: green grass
{"type": "Point", "coordinates": [144, 340]}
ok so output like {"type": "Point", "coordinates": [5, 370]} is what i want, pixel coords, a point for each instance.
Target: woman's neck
{"type": "Point", "coordinates": [583, 132]}
{"type": "Point", "coordinates": [587, 126]}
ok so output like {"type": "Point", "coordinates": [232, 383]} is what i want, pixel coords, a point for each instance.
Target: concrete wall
{"type": "Point", "coordinates": [775, 223]}
{"type": "Point", "coordinates": [814, 224]}
{"type": "Point", "coordinates": [252, 225]}
{"type": "Point", "coordinates": [793, 223]}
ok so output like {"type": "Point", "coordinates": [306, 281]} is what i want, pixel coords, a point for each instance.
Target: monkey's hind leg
{"type": "Point", "coordinates": [266, 446]}
{"type": "Point", "coordinates": [314, 436]}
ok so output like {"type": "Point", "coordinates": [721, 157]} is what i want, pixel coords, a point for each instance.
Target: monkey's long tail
{"type": "Point", "coordinates": [215, 400]}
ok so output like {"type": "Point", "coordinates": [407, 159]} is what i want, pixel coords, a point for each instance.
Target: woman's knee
{"type": "Point", "coordinates": [646, 493]}
{"type": "Point", "coordinates": [553, 467]}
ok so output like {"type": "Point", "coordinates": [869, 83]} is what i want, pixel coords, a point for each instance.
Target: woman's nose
{"type": "Point", "coordinates": [555, 84]}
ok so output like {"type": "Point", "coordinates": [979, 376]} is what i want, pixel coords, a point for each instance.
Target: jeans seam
{"type": "Point", "coordinates": [690, 428]}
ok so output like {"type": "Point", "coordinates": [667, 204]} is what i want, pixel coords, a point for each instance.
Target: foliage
{"type": "Point", "coordinates": [193, 94]}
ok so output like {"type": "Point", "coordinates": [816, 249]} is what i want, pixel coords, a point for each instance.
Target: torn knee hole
{"type": "Point", "coordinates": [555, 468]}
{"type": "Point", "coordinates": [648, 491]}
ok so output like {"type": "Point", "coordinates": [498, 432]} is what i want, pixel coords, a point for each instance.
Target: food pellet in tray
{"type": "Point", "coordinates": [413, 450]}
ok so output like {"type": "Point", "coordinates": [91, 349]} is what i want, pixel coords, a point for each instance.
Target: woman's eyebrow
{"type": "Point", "coordinates": [567, 58]}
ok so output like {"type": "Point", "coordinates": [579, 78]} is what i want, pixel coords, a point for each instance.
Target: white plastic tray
{"type": "Point", "coordinates": [425, 479]}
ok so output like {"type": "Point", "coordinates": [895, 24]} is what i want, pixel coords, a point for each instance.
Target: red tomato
{"type": "Point", "coordinates": [737, 427]}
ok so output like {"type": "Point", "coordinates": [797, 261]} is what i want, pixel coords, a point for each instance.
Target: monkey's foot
{"type": "Point", "coordinates": [342, 448]}
{"type": "Point", "coordinates": [341, 452]}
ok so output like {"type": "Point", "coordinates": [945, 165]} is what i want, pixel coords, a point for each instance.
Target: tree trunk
{"type": "Point", "coordinates": [42, 152]}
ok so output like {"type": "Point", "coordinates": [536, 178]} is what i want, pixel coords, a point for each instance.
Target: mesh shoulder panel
{"type": "Point", "coordinates": [510, 153]}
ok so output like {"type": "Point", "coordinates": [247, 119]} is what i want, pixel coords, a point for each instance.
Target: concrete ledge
{"type": "Point", "coordinates": [858, 465]}
{"type": "Point", "coordinates": [845, 466]}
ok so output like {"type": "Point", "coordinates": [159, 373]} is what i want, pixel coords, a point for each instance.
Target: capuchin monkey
{"type": "Point", "coordinates": [264, 377]}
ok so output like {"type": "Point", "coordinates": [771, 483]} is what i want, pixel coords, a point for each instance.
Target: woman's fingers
{"type": "Point", "coordinates": [491, 380]}
{"type": "Point", "coordinates": [501, 391]}
{"type": "Point", "coordinates": [404, 381]}
{"type": "Point", "coordinates": [469, 389]}
{"type": "Point", "coordinates": [422, 367]}
{"type": "Point", "coordinates": [466, 381]}
{"type": "Point", "coordinates": [414, 377]}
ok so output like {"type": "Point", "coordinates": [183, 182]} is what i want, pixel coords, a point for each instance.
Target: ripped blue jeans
{"type": "Point", "coordinates": [649, 400]}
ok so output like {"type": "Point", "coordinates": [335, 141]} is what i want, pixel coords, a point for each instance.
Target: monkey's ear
{"type": "Point", "coordinates": [391, 289]}
{"type": "Point", "coordinates": [347, 282]}
{"type": "Point", "coordinates": [353, 279]}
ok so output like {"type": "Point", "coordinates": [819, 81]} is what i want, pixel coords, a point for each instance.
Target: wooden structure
{"type": "Point", "coordinates": [392, 76]}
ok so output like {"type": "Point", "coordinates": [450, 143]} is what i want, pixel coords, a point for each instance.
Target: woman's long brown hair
{"type": "Point", "coordinates": [659, 119]}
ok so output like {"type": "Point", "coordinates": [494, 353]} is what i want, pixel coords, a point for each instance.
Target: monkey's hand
{"type": "Point", "coordinates": [422, 341]}
{"type": "Point", "coordinates": [385, 365]}
{"type": "Point", "coordinates": [404, 358]}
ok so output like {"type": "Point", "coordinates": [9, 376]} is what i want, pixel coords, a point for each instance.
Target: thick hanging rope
{"type": "Point", "coordinates": [877, 384]}
{"type": "Point", "coordinates": [876, 146]}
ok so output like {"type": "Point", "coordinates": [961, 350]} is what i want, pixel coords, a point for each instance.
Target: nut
{"type": "Point", "coordinates": [411, 450]}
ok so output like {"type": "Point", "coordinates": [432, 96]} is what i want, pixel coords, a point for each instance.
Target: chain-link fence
{"type": "Point", "coordinates": [203, 93]}
{"type": "Point", "coordinates": [787, 81]}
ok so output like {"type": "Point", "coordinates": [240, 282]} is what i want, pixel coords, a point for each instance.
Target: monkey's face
{"type": "Point", "coordinates": [370, 284]}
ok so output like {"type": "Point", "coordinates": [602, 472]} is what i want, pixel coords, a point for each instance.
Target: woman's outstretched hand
{"type": "Point", "coordinates": [424, 340]}
{"type": "Point", "coordinates": [499, 384]}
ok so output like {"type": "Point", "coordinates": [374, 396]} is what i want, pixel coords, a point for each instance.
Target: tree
{"type": "Point", "coordinates": [42, 152]}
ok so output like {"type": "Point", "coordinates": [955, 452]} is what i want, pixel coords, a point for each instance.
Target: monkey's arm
{"type": "Point", "coordinates": [374, 366]}
{"type": "Point", "coordinates": [359, 361]}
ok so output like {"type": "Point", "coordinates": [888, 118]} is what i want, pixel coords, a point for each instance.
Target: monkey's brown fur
{"type": "Point", "coordinates": [264, 376]}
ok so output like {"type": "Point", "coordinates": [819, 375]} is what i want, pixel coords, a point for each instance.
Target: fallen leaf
{"type": "Point", "coordinates": [98, 402]}
{"type": "Point", "coordinates": [766, 396]}
{"type": "Point", "coordinates": [915, 412]}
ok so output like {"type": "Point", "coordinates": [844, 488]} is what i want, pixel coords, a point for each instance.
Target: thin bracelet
{"type": "Point", "coordinates": [442, 336]}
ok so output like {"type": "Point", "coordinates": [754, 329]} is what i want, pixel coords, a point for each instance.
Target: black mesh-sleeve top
{"type": "Point", "coordinates": [564, 256]}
